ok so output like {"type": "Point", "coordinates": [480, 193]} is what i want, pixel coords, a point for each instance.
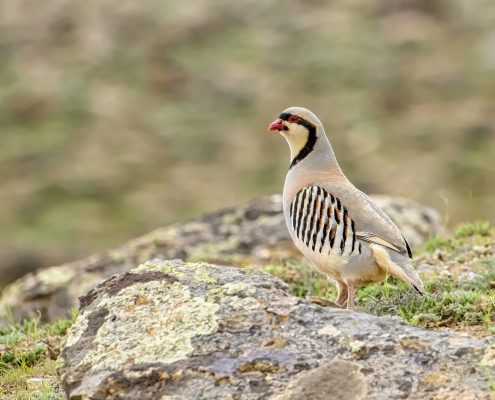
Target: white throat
{"type": "Point", "coordinates": [296, 144]}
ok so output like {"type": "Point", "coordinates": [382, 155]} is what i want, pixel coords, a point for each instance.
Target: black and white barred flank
{"type": "Point", "coordinates": [321, 222]}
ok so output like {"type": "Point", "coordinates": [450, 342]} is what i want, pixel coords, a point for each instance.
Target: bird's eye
{"type": "Point", "coordinates": [293, 118]}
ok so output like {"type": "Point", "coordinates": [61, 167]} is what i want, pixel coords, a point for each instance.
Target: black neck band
{"type": "Point", "coordinates": [310, 143]}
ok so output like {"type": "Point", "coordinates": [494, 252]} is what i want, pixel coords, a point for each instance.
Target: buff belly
{"type": "Point", "coordinates": [358, 269]}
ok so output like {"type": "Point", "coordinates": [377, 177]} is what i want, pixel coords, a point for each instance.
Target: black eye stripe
{"type": "Point", "coordinates": [301, 121]}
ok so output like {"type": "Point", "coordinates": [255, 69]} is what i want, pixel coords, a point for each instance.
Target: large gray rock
{"type": "Point", "coordinates": [170, 330]}
{"type": "Point", "coordinates": [251, 234]}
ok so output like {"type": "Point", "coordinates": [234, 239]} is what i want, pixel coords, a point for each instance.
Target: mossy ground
{"type": "Point", "coordinates": [28, 352]}
{"type": "Point", "coordinates": [458, 272]}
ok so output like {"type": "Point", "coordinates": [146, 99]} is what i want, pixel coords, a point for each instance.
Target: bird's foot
{"type": "Point", "coordinates": [351, 297]}
{"type": "Point", "coordinates": [342, 296]}
{"type": "Point", "coordinates": [340, 301]}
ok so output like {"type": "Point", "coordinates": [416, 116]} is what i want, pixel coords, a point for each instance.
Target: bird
{"type": "Point", "coordinates": [337, 227]}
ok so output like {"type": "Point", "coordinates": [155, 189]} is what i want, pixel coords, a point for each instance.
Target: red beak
{"type": "Point", "coordinates": [276, 125]}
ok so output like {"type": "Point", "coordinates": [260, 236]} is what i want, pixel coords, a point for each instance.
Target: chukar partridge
{"type": "Point", "coordinates": [336, 226]}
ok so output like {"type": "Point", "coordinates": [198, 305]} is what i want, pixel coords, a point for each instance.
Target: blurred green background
{"type": "Point", "coordinates": [117, 117]}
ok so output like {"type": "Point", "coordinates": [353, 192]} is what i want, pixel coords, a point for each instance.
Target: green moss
{"type": "Point", "coordinates": [202, 273]}
{"type": "Point", "coordinates": [448, 303]}
{"type": "Point", "coordinates": [437, 242]}
{"type": "Point", "coordinates": [201, 270]}
{"type": "Point", "coordinates": [27, 368]}
{"type": "Point", "coordinates": [151, 266]}
{"type": "Point", "coordinates": [216, 253]}
{"type": "Point", "coordinates": [466, 234]}
{"type": "Point", "coordinates": [303, 279]}
{"type": "Point", "coordinates": [482, 228]}
{"type": "Point", "coordinates": [39, 382]}
{"type": "Point", "coordinates": [490, 377]}
{"type": "Point", "coordinates": [232, 289]}
{"type": "Point", "coordinates": [56, 276]}
{"type": "Point", "coordinates": [28, 331]}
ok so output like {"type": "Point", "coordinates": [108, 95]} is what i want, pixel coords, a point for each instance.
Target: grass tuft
{"type": "Point", "coordinates": [437, 242]}
{"type": "Point", "coordinates": [28, 351]}
{"type": "Point", "coordinates": [303, 279]}
{"type": "Point", "coordinates": [448, 303]}
{"type": "Point", "coordinates": [482, 228]}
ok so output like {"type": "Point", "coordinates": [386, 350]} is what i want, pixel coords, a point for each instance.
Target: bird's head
{"type": "Point", "coordinates": [295, 122]}
{"type": "Point", "coordinates": [301, 128]}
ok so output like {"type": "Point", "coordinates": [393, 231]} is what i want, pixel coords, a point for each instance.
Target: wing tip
{"type": "Point", "coordinates": [409, 251]}
{"type": "Point", "coordinates": [421, 290]}
{"type": "Point", "coordinates": [405, 273]}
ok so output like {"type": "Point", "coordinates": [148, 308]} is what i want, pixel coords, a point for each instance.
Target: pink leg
{"type": "Point", "coordinates": [351, 292]}
{"type": "Point", "coordinates": [342, 296]}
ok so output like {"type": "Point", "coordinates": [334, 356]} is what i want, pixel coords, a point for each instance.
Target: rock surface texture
{"type": "Point", "coordinates": [252, 234]}
{"type": "Point", "coordinates": [174, 330]}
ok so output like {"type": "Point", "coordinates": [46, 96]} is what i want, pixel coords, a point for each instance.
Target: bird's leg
{"type": "Point", "coordinates": [342, 294]}
{"type": "Point", "coordinates": [351, 293]}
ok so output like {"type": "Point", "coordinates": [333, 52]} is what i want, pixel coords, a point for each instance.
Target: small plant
{"type": "Point", "coordinates": [482, 228]}
{"type": "Point", "coordinates": [490, 378]}
{"type": "Point", "coordinates": [28, 350]}
{"type": "Point", "coordinates": [435, 243]}
{"type": "Point", "coordinates": [304, 280]}
{"type": "Point", "coordinates": [448, 303]}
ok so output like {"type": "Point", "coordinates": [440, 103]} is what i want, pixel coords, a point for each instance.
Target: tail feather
{"type": "Point", "coordinates": [400, 268]}
{"type": "Point", "coordinates": [414, 279]}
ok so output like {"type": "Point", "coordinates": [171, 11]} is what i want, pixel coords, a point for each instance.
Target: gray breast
{"type": "Point", "coordinates": [321, 222]}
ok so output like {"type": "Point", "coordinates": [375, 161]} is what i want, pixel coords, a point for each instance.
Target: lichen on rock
{"type": "Point", "coordinates": [149, 325]}
{"type": "Point", "coordinates": [176, 330]}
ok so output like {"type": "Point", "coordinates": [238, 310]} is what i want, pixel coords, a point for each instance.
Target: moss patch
{"type": "Point", "coordinates": [218, 253]}
{"type": "Point", "coordinates": [477, 228]}
{"type": "Point", "coordinates": [459, 305]}
{"type": "Point", "coordinates": [27, 360]}
{"type": "Point", "coordinates": [39, 382]}
{"type": "Point", "coordinates": [303, 279]}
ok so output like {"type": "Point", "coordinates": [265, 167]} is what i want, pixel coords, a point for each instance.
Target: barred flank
{"type": "Point", "coordinates": [316, 215]}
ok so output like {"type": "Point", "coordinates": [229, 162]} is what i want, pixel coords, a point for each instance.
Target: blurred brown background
{"type": "Point", "coordinates": [120, 116]}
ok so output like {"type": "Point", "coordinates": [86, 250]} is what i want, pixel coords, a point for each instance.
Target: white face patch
{"type": "Point", "coordinates": [296, 136]}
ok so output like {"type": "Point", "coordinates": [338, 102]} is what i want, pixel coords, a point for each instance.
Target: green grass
{"type": "Point", "coordinates": [39, 382]}
{"type": "Point", "coordinates": [303, 279]}
{"type": "Point", "coordinates": [482, 228]}
{"type": "Point", "coordinates": [448, 303]}
{"type": "Point", "coordinates": [437, 242]}
{"type": "Point", "coordinates": [461, 284]}
{"type": "Point", "coordinates": [490, 378]}
{"type": "Point", "coordinates": [28, 351]}
{"type": "Point", "coordinates": [461, 296]}
{"type": "Point", "coordinates": [465, 234]}
{"type": "Point", "coordinates": [14, 333]}
{"type": "Point", "coordinates": [469, 234]}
